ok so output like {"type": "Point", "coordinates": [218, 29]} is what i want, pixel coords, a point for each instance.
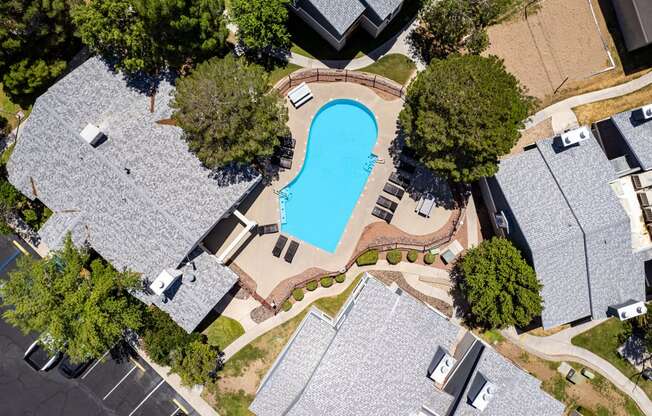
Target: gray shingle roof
{"type": "Point", "coordinates": [141, 199]}
{"type": "Point", "coordinates": [637, 135]}
{"type": "Point", "coordinates": [377, 363]}
{"type": "Point", "coordinates": [341, 14]}
{"type": "Point", "coordinates": [553, 193]}
{"type": "Point", "coordinates": [383, 8]}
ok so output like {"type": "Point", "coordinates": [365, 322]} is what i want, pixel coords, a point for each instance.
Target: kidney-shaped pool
{"type": "Point", "coordinates": [317, 204]}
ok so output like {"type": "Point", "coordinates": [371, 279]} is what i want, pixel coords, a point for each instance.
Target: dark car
{"type": "Point", "coordinates": [70, 369]}
{"type": "Point", "coordinates": [39, 359]}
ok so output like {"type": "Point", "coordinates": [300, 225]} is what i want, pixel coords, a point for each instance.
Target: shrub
{"type": "Point", "coordinates": [297, 294]}
{"type": "Point", "coordinates": [429, 258]}
{"type": "Point", "coordinates": [312, 285]}
{"type": "Point", "coordinates": [394, 257]}
{"type": "Point", "coordinates": [340, 278]}
{"type": "Point", "coordinates": [161, 336]}
{"type": "Point", "coordinates": [195, 362]}
{"type": "Point", "coordinates": [287, 305]}
{"type": "Point", "coordinates": [412, 256]}
{"type": "Point", "coordinates": [326, 281]}
{"type": "Point", "coordinates": [367, 258]}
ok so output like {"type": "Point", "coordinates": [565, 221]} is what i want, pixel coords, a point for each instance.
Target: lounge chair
{"type": "Point", "coordinates": [280, 244]}
{"type": "Point", "coordinates": [300, 95]}
{"type": "Point", "coordinates": [284, 152]}
{"type": "Point", "coordinates": [283, 162]}
{"type": "Point", "coordinates": [292, 250]}
{"type": "Point", "coordinates": [288, 142]}
{"type": "Point", "coordinates": [394, 190]}
{"type": "Point", "coordinates": [267, 229]}
{"type": "Point", "coordinates": [425, 205]}
{"type": "Point", "coordinates": [643, 180]}
{"type": "Point", "coordinates": [387, 203]}
{"type": "Point", "coordinates": [382, 214]}
{"type": "Point", "coordinates": [453, 250]}
{"type": "Point", "coordinates": [398, 179]}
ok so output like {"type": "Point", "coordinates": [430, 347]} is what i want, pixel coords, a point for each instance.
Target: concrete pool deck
{"type": "Point", "coordinates": [255, 256]}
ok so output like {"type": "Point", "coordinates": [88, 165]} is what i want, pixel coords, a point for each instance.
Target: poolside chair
{"type": "Point", "coordinates": [288, 142]}
{"type": "Point", "coordinates": [382, 214]}
{"type": "Point", "coordinates": [425, 205]}
{"type": "Point", "coordinates": [280, 244]}
{"type": "Point", "coordinates": [292, 250]}
{"type": "Point", "coordinates": [267, 229]}
{"type": "Point", "coordinates": [283, 152]}
{"type": "Point", "coordinates": [400, 180]}
{"type": "Point", "coordinates": [300, 95]}
{"type": "Point", "coordinates": [387, 203]}
{"type": "Point", "coordinates": [283, 162]}
{"type": "Point", "coordinates": [643, 180]}
{"type": "Point", "coordinates": [394, 190]}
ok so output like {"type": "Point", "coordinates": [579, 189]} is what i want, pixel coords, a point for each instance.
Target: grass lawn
{"type": "Point", "coordinates": [8, 108]}
{"type": "Point", "coordinates": [280, 72]}
{"type": "Point", "coordinates": [223, 331]}
{"type": "Point", "coordinates": [250, 364]}
{"type": "Point", "coordinates": [306, 41]}
{"type": "Point", "coordinates": [599, 110]}
{"type": "Point", "coordinates": [603, 340]}
{"type": "Point", "coordinates": [394, 66]}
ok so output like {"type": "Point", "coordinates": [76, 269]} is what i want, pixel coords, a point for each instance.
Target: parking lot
{"type": "Point", "coordinates": [121, 383]}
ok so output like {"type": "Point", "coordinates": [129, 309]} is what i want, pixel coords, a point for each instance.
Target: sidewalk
{"type": "Point", "coordinates": [558, 347]}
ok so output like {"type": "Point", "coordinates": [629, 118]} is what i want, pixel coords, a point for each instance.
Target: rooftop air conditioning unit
{"type": "Point", "coordinates": [91, 134]}
{"type": "Point", "coordinates": [647, 214]}
{"type": "Point", "coordinates": [164, 280]}
{"type": "Point", "coordinates": [574, 136]}
{"type": "Point", "coordinates": [645, 198]}
{"type": "Point", "coordinates": [443, 367]}
{"type": "Point", "coordinates": [630, 309]}
{"type": "Point", "coordinates": [484, 396]}
{"type": "Point", "coordinates": [643, 114]}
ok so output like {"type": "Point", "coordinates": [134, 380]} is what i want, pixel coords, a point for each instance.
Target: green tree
{"type": "Point", "coordinates": [162, 336]}
{"type": "Point", "coordinates": [499, 286]}
{"type": "Point", "coordinates": [228, 113]}
{"type": "Point", "coordinates": [36, 41]}
{"type": "Point", "coordinates": [462, 113]}
{"type": "Point", "coordinates": [83, 305]}
{"type": "Point", "coordinates": [262, 24]}
{"type": "Point", "coordinates": [148, 35]}
{"type": "Point", "coordinates": [195, 363]}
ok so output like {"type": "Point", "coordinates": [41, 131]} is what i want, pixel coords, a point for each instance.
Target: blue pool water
{"type": "Point", "coordinates": [317, 204]}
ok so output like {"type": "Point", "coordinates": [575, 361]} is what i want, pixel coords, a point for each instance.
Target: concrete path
{"type": "Point", "coordinates": [563, 109]}
{"type": "Point", "coordinates": [396, 45]}
{"type": "Point", "coordinates": [558, 347]}
{"type": "Point", "coordinates": [411, 272]}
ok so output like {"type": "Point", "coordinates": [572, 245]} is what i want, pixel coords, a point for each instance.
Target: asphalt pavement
{"type": "Point", "coordinates": [119, 384]}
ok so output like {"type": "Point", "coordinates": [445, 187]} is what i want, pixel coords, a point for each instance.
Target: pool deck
{"type": "Point", "coordinates": [255, 256]}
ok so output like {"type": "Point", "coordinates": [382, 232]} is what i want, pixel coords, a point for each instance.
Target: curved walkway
{"type": "Point", "coordinates": [562, 111]}
{"type": "Point", "coordinates": [239, 309]}
{"type": "Point", "coordinates": [558, 347]}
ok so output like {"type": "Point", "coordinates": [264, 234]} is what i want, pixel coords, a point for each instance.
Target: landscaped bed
{"type": "Point", "coordinates": [235, 389]}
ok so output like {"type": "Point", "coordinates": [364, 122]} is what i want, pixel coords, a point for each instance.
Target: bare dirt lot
{"type": "Point", "coordinates": [557, 43]}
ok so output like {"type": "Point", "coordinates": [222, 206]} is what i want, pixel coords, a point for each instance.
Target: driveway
{"type": "Point", "coordinates": [120, 384]}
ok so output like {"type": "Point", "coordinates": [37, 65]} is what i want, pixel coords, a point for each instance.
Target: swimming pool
{"type": "Point", "coordinates": [317, 204]}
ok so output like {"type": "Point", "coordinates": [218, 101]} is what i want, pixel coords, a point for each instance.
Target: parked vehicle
{"type": "Point", "coordinates": [38, 358]}
{"type": "Point", "coordinates": [69, 369]}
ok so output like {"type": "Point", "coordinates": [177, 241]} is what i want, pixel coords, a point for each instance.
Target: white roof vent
{"type": "Point", "coordinates": [646, 112]}
{"type": "Point", "coordinates": [484, 396]}
{"type": "Point", "coordinates": [443, 368]}
{"type": "Point", "coordinates": [164, 281]}
{"type": "Point", "coordinates": [91, 134]}
{"type": "Point", "coordinates": [630, 309]}
{"type": "Point", "coordinates": [575, 136]}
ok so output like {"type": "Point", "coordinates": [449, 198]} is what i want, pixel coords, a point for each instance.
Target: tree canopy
{"type": "Point", "coordinates": [36, 41]}
{"type": "Point", "coordinates": [462, 113]}
{"type": "Point", "coordinates": [228, 112]}
{"type": "Point", "coordinates": [499, 286]}
{"type": "Point", "coordinates": [262, 24]}
{"type": "Point", "coordinates": [162, 336]}
{"type": "Point", "coordinates": [196, 363]}
{"type": "Point", "coordinates": [82, 305]}
{"type": "Point", "coordinates": [147, 35]}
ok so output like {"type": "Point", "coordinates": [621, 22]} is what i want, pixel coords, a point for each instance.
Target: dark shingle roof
{"type": "Point", "coordinates": [377, 361]}
{"type": "Point", "coordinates": [141, 199]}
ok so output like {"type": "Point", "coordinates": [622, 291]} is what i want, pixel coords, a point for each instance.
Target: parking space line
{"type": "Point", "coordinates": [9, 259]}
{"type": "Point", "coordinates": [175, 411]}
{"type": "Point", "coordinates": [137, 364]}
{"type": "Point", "coordinates": [119, 382]}
{"type": "Point", "coordinates": [147, 397]}
{"type": "Point", "coordinates": [96, 363]}
{"type": "Point", "coordinates": [20, 247]}
{"type": "Point", "coordinates": [179, 406]}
